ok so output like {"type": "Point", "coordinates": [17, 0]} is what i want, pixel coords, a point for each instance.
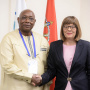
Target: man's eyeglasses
{"type": "Point", "coordinates": [29, 18]}
{"type": "Point", "coordinates": [67, 27]}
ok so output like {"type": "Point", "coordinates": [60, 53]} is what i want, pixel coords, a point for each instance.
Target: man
{"type": "Point", "coordinates": [23, 54]}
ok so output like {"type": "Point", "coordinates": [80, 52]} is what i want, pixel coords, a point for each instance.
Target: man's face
{"type": "Point", "coordinates": [26, 21]}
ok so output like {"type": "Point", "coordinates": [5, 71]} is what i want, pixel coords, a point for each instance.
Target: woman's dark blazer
{"type": "Point", "coordinates": [79, 75]}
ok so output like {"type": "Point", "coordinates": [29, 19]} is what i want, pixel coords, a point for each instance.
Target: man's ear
{"type": "Point", "coordinates": [35, 20]}
{"type": "Point", "coordinates": [18, 19]}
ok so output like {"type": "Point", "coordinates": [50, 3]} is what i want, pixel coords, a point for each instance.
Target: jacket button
{"type": "Point", "coordinates": [69, 79]}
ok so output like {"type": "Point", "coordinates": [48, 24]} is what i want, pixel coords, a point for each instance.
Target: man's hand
{"type": "Point", "coordinates": [36, 80]}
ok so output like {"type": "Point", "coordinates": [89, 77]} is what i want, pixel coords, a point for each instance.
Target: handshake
{"type": "Point", "coordinates": [36, 80]}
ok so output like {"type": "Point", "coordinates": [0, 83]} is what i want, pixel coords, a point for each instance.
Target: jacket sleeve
{"type": "Point", "coordinates": [51, 71]}
{"type": "Point", "coordinates": [88, 65]}
{"type": "Point", "coordinates": [7, 62]}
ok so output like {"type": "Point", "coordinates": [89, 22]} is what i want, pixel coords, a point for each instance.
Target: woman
{"type": "Point", "coordinates": [69, 59]}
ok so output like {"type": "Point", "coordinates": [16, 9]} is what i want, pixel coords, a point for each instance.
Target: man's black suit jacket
{"type": "Point", "coordinates": [79, 75]}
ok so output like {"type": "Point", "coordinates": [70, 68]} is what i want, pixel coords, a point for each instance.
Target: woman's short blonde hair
{"type": "Point", "coordinates": [71, 20]}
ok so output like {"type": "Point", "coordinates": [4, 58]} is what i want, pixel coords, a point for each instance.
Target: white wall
{"type": "Point", "coordinates": [85, 19]}
{"type": "Point", "coordinates": [4, 17]}
{"type": "Point", "coordinates": [78, 8]}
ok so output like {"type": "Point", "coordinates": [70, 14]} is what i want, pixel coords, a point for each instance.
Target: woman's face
{"type": "Point", "coordinates": [69, 31]}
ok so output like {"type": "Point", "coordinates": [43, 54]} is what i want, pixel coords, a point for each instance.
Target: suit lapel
{"type": "Point", "coordinates": [60, 51]}
{"type": "Point", "coordinates": [79, 47]}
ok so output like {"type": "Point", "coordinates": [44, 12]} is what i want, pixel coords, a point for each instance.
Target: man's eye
{"type": "Point", "coordinates": [31, 18]}
{"type": "Point", "coordinates": [24, 17]}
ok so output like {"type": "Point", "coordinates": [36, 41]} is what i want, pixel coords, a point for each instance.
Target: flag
{"type": "Point", "coordinates": [50, 27]}
{"type": "Point", "coordinates": [20, 6]}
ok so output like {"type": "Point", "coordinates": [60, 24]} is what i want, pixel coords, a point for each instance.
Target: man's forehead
{"type": "Point", "coordinates": [27, 13]}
